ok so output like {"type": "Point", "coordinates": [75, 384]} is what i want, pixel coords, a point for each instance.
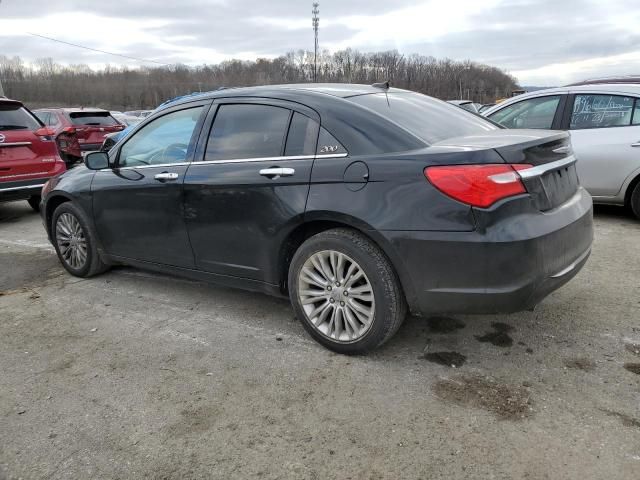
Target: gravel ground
{"type": "Point", "coordinates": [137, 375]}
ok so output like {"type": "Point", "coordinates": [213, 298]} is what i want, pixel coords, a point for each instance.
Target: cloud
{"type": "Point", "coordinates": [540, 41]}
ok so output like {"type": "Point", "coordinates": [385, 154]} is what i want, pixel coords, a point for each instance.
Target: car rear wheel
{"type": "Point", "coordinates": [635, 201]}
{"type": "Point", "coordinates": [74, 242]}
{"type": "Point", "coordinates": [34, 202]}
{"type": "Point", "coordinates": [345, 291]}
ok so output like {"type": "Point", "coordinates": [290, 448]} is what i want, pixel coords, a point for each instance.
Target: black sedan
{"type": "Point", "coordinates": [359, 203]}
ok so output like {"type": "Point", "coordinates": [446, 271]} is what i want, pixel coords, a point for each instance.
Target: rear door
{"type": "Point", "coordinates": [23, 154]}
{"type": "Point", "coordinates": [138, 204]}
{"type": "Point", "coordinates": [249, 188]}
{"type": "Point", "coordinates": [605, 133]}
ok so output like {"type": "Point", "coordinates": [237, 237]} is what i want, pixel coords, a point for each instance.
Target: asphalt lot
{"type": "Point", "coordinates": [136, 375]}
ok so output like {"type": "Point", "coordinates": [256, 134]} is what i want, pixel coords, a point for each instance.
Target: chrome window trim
{"type": "Point", "coordinates": [547, 167]}
{"type": "Point", "coordinates": [233, 160]}
{"type": "Point", "coordinates": [25, 187]}
{"type": "Point", "coordinates": [15, 144]}
{"type": "Point", "coordinates": [271, 159]}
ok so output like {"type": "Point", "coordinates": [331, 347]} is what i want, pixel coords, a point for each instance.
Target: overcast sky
{"type": "Point", "coordinates": [541, 42]}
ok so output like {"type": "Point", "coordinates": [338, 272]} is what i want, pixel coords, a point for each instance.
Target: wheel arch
{"type": "Point", "coordinates": [322, 221]}
{"type": "Point", "coordinates": [630, 188]}
{"type": "Point", "coordinates": [53, 202]}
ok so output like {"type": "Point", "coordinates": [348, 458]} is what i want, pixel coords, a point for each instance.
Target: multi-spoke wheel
{"type": "Point", "coordinates": [345, 291]}
{"type": "Point", "coordinates": [74, 241]}
{"type": "Point", "coordinates": [336, 296]}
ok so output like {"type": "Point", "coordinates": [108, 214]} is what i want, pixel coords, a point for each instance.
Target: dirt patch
{"type": "Point", "coordinates": [450, 359]}
{"type": "Point", "coordinates": [633, 367]}
{"type": "Point", "coordinates": [499, 337]}
{"type": "Point", "coordinates": [27, 270]}
{"type": "Point", "coordinates": [627, 420]}
{"type": "Point", "coordinates": [508, 402]}
{"type": "Point", "coordinates": [633, 348]}
{"type": "Point", "coordinates": [580, 363]}
{"type": "Point", "coordinates": [444, 324]}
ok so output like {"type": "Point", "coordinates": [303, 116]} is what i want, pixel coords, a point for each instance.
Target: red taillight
{"type": "Point", "coordinates": [70, 130]}
{"type": "Point", "coordinates": [45, 133]}
{"type": "Point", "coordinates": [477, 185]}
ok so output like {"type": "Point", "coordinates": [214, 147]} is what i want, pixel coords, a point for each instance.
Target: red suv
{"type": "Point", "coordinates": [78, 129]}
{"type": "Point", "coordinates": [28, 154]}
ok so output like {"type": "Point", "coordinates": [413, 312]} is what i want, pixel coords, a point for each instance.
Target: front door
{"type": "Point", "coordinates": [249, 189]}
{"type": "Point", "coordinates": [138, 204]}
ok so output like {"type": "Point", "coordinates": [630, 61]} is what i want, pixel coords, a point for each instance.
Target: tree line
{"type": "Point", "coordinates": [47, 83]}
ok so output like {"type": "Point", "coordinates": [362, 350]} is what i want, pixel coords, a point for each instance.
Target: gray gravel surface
{"type": "Point", "coordinates": [137, 375]}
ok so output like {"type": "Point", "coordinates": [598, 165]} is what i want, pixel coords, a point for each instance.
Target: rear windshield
{"type": "Point", "coordinates": [16, 117]}
{"type": "Point", "coordinates": [427, 118]}
{"type": "Point", "coordinates": [92, 118]}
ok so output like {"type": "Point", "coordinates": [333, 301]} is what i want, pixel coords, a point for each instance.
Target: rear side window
{"type": "Point", "coordinates": [16, 117]}
{"type": "Point", "coordinates": [247, 131]}
{"type": "Point", "coordinates": [427, 118]}
{"type": "Point", "coordinates": [92, 118]}
{"type": "Point", "coordinates": [601, 111]}
{"type": "Point", "coordinates": [302, 136]}
{"type": "Point", "coordinates": [532, 113]}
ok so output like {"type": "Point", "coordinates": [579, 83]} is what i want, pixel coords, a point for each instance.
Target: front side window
{"type": "Point", "coordinates": [247, 131]}
{"type": "Point", "coordinates": [533, 113]}
{"type": "Point", "coordinates": [601, 111]}
{"type": "Point", "coordinates": [163, 141]}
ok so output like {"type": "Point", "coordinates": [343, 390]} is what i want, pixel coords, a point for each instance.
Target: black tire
{"type": "Point", "coordinates": [390, 305]}
{"type": "Point", "coordinates": [34, 202]}
{"type": "Point", "coordinates": [634, 201]}
{"type": "Point", "coordinates": [93, 264]}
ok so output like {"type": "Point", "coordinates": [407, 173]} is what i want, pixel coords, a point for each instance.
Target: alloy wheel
{"type": "Point", "coordinates": [72, 243]}
{"type": "Point", "coordinates": [336, 296]}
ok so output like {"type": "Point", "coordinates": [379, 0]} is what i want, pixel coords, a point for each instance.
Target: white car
{"type": "Point", "coordinates": [604, 123]}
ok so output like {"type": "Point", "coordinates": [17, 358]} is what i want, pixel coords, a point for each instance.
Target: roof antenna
{"type": "Point", "coordinates": [384, 85]}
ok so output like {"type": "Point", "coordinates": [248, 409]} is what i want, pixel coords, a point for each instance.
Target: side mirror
{"type": "Point", "coordinates": [96, 161]}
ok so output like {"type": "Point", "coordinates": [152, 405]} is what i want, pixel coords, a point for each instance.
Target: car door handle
{"type": "Point", "coordinates": [637, 144]}
{"type": "Point", "coordinates": [277, 172]}
{"type": "Point", "coordinates": [166, 176]}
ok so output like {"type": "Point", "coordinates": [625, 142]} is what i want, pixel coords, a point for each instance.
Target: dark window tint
{"type": "Point", "coordinates": [532, 113]}
{"type": "Point", "coordinates": [15, 117]}
{"type": "Point", "coordinates": [164, 140]}
{"type": "Point", "coordinates": [636, 113]}
{"type": "Point", "coordinates": [302, 137]}
{"type": "Point", "coordinates": [427, 118]}
{"type": "Point", "coordinates": [328, 145]}
{"type": "Point", "coordinates": [601, 111]}
{"type": "Point", "coordinates": [247, 131]}
{"type": "Point", "coordinates": [92, 118]}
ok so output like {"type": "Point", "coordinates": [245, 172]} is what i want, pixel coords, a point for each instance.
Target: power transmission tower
{"type": "Point", "coordinates": [315, 21]}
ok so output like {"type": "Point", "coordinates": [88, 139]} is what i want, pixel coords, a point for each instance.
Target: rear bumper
{"type": "Point", "coordinates": [21, 190]}
{"type": "Point", "coordinates": [516, 257]}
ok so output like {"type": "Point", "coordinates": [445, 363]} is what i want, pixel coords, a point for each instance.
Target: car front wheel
{"type": "Point", "coordinates": [74, 242]}
{"type": "Point", "coordinates": [345, 291]}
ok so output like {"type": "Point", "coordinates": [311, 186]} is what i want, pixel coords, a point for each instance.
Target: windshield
{"type": "Point", "coordinates": [16, 117]}
{"type": "Point", "coordinates": [427, 118]}
{"type": "Point", "coordinates": [93, 118]}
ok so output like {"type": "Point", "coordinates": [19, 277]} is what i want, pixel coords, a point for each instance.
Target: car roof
{"type": "Point", "coordinates": [73, 109]}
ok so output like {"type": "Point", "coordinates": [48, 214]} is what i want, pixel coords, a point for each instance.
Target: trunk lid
{"type": "Point", "coordinates": [551, 181]}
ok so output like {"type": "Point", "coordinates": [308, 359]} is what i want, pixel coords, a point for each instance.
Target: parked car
{"type": "Point", "coordinates": [485, 107]}
{"type": "Point", "coordinates": [89, 124]}
{"type": "Point", "coordinates": [65, 136]}
{"type": "Point", "coordinates": [139, 113]}
{"type": "Point", "coordinates": [28, 154]}
{"type": "Point", "coordinates": [604, 122]}
{"type": "Point", "coordinates": [466, 104]}
{"type": "Point", "coordinates": [126, 120]}
{"type": "Point", "coordinates": [357, 202]}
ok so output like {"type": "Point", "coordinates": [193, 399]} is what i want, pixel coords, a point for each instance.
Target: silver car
{"type": "Point", "coordinates": [604, 122]}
